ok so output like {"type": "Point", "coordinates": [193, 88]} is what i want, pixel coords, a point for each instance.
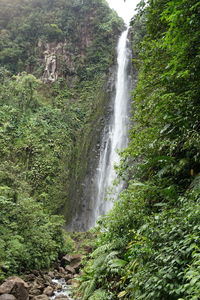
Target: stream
{"type": "Point", "coordinates": [64, 291]}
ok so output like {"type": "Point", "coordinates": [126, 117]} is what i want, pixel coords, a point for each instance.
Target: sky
{"type": "Point", "coordinates": [125, 9]}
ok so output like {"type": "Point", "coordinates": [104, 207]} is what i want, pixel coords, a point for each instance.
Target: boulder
{"type": "Point", "coordinates": [69, 276]}
{"type": "Point", "coordinates": [73, 282]}
{"type": "Point", "coordinates": [40, 282]}
{"type": "Point", "coordinates": [70, 270]}
{"type": "Point", "coordinates": [58, 287]}
{"type": "Point", "coordinates": [65, 260]}
{"type": "Point", "coordinates": [61, 270]}
{"type": "Point", "coordinates": [36, 272]}
{"type": "Point", "coordinates": [20, 292]}
{"type": "Point", "coordinates": [68, 259]}
{"type": "Point", "coordinates": [35, 292]}
{"type": "Point", "coordinates": [76, 262]}
{"type": "Point", "coordinates": [47, 279]}
{"type": "Point", "coordinates": [41, 297]}
{"type": "Point", "coordinates": [30, 277]}
{"type": "Point", "coordinates": [76, 265]}
{"type": "Point", "coordinates": [76, 257]}
{"type": "Point", "coordinates": [15, 286]}
{"type": "Point", "coordinates": [37, 284]}
{"type": "Point", "coordinates": [8, 285]}
{"type": "Point", "coordinates": [51, 274]}
{"type": "Point", "coordinates": [48, 291]}
{"type": "Point", "coordinates": [7, 297]}
{"type": "Point", "coordinates": [57, 275]}
{"type": "Point", "coordinates": [36, 288]}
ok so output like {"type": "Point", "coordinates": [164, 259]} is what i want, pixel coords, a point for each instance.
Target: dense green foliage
{"type": "Point", "coordinates": [30, 187]}
{"type": "Point", "coordinates": [150, 247]}
{"type": "Point", "coordinates": [43, 126]}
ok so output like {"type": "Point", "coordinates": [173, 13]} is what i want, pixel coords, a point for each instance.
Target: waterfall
{"type": "Point", "coordinates": [114, 137]}
{"type": "Point", "coordinates": [98, 190]}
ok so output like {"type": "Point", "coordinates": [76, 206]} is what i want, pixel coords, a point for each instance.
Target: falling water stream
{"type": "Point", "coordinates": [114, 137]}
{"type": "Point", "coordinates": [99, 193]}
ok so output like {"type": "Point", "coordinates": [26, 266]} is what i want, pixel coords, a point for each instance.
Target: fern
{"type": "Point", "coordinates": [99, 261]}
{"type": "Point", "coordinates": [111, 256]}
{"type": "Point", "coordinates": [101, 249]}
{"type": "Point", "coordinates": [90, 287]}
{"type": "Point", "coordinates": [100, 295]}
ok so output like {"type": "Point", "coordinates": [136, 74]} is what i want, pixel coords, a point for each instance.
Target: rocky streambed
{"type": "Point", "coordinates": [54, 284]}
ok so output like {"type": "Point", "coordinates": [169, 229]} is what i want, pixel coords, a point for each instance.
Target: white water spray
{"type": "Point", "coordinates": [114, 137]}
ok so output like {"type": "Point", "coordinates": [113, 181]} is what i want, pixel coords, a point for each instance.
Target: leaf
{"type": "Point", "coordinates": [122, 294]}
{"type": "Point", "coordinates": [138, 184]}
{"type": "Point", "coordinates": [160, 204]}
{"type": "Point", "coordinates": [194, 280]}
{"type": "Point", "coordinates": [165, 128]}
{"type": "Point", "coordinates": [118, 263]}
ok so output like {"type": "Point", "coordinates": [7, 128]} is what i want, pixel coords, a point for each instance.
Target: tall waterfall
{"type": "Point", "coordinates": [98, 193]}
{"type": "Point", "coordinates": [114, 137]}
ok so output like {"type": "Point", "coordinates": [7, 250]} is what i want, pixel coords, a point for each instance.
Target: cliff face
{"type": "Point", "coordinates": [52, 39]}
{"type": "Point", "coordinates": [70, 46]}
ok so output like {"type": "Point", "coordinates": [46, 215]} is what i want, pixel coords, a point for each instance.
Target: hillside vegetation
{"type": "Point", "coordinates": [45, 115]}
{"type": "Point", "coordinates": [149, 247]}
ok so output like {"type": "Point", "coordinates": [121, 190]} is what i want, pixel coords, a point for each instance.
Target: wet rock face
{"type": "Point", "coordinates": [51, 55]}
{"type": "Point", "coordinates": [50, 73]}
{"type": "Point", "coordinates": [57, 60]}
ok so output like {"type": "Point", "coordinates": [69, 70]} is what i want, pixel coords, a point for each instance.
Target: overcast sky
{"type": "Point", "coordinates": [125, 9]}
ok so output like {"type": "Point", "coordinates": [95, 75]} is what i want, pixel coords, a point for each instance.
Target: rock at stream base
{"type": "Point", "coordinates": [73, 282]}
{"type": "Point", "coordinates": [15, 286]}
{"type": "Point", "coordinates": [71, 259]}
{"type": "Point", "coordinates": [7, 297]}
{"type": "Point", "coordinates": [36, 288]}
{"type": "Point", "coordinates": [70, 270]}
{"type": "Point", "coordinates": [65, 260]}
{"type": "Point", "coordinates": [41, 297]}
{"type": "Point", "coordinates": [51, 274]}
{"type": "Point", "coordinates": [61, 270]}
{"type": "Point", "coordinates": [48, 291]}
